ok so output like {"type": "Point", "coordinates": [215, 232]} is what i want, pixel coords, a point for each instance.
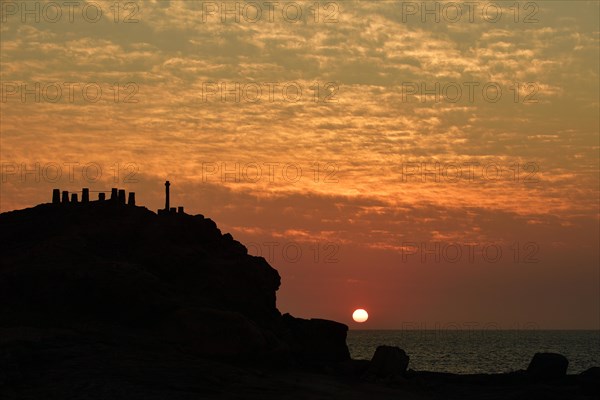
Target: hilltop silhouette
{"type": "Point", "coordinates": [115, 265]}
{"type": "Point", "coordinates": [104, 299]}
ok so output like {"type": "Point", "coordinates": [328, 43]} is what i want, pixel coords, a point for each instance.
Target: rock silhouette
{"type": "Point", "coordinates": [548, 366]}
{"type": "Point", "coordinates": [108, 300]}
{"type": "Point", "coordinates": [117, 266]}
{"type": "Point", "coordinates": [387, 362]}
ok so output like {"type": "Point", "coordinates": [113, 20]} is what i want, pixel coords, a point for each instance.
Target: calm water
{"type": "Point", "coordinates": [480, 351]}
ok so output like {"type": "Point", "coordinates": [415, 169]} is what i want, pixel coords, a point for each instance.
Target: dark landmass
{"type": "Point", "coordinates": [103, 300]}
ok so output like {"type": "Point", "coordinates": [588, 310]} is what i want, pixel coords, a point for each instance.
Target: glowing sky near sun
{"type": "Point", "coordinates": [332, 163]}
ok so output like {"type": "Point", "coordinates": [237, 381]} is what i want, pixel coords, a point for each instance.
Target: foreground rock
{"type": "Point", "coordinates": [86, 364]}
{"type": "Point", "coordinates": [317, 341]}
{"type": "Point", "coordinates": [388, 362]}
{"type": "Point", "coordinates": [548, 366]}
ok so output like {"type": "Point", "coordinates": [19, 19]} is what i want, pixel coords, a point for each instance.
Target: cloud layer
{"type": "Point", "coordinates": [361, 126]}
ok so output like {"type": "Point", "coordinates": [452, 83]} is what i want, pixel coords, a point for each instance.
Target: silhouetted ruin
{"type": "Point", "coordinates": [121, 196]}
{"type": "Point", "coordinates": [117, 196]}
{"type": "Point", "coordinates": [56, 196]}
{"type": "Point", "coordinates": [168, 209]}
{"type": "Point", "coordinates": [85, 195]}
{"type": "Point", "coordinates": [167, 185]}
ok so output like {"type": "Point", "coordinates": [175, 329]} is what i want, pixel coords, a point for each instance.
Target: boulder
{"type": "Point", "coordinates": [547, 366]}
{"type": "Point", "coordinates": [316, 341]}
{"type": "Point", "coordinates": [387, 362]}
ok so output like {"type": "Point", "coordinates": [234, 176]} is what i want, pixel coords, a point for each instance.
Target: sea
{"type": "Point", "coordinates": [479, 351]}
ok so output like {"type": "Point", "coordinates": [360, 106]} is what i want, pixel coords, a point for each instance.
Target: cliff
{"type": "Point", "coordinates": [122, 270]}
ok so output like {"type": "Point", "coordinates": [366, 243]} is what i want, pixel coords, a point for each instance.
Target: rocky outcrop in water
{"type": "Point", "coordinates": [388, 362]}
{"type": "Point", "coordinates": [548, 366]}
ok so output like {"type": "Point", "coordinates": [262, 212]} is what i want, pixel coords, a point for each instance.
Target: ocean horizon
{"type": "Point", "coordinates": [480, 351]}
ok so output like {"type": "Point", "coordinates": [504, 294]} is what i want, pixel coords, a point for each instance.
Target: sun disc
{"type": "Point", "coordinates": [360, 315]}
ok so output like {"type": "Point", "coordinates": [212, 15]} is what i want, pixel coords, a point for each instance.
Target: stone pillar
{"type": "Point", "coordinates": [180, 210]}
{"type": "Point", "coordinates": [114, 194]}
{"type": "Point", "coordinates": [173, 210]}
{"type": "Point", "coordinates": [65, 196]}
{"type": "Point", "coordinates": [121, 196]}
{"type": "Point", "coordinates": [55, 196]}
{"type": "Point", "coordinates": [131, 199]}
{"type": "Point", "coordinates": [101, 196]}
{"type": "Point", "coordinates": [85, 195]}
{"type": "Point", "coordinates": [74, 198]}
{"type": "Point", "coordinates": [167, 184]}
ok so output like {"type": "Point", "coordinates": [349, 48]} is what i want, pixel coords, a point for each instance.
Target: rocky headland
{"type": "Point", "coordinates": [103, 300]}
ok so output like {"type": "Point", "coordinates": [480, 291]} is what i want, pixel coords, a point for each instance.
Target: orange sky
{"type": "Point", "coordinates": [343, 186]}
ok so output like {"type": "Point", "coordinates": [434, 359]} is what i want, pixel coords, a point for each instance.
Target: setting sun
{"type": "Point", "coordinates": [360, 315]}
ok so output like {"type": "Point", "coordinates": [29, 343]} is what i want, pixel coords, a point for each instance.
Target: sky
{"type": "Point", "coordinates": [435, 163]}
